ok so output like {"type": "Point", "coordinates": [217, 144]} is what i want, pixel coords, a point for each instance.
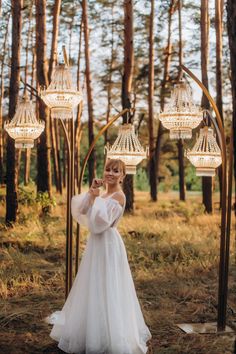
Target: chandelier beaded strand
{"type": "Point", "coordinates": [127, 148]}
{"type": "Point", "coordinates": [206, 154]}
{"type": "Point", "coordinates": [24, 128]}
{"type": "Point", "coordinates": [181, 115]}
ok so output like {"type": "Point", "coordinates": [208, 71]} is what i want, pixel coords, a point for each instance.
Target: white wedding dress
{"type": "Point", "coordinates": [101, 314]}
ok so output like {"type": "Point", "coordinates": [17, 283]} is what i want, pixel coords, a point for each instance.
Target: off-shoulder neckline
{"type": "Point", "coordinates": [109, 196]}
{"type": "Point", "coordinates": [115, 200]}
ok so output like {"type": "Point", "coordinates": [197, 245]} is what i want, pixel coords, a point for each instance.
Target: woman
{"type": "Point", "coordinates": [102, 314]}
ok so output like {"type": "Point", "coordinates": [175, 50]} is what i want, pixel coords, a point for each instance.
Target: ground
{"type": "Point", "coordinates": [173, 252]}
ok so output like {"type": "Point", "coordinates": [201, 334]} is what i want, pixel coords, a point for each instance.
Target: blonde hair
{"type": "Point", "coordinates": [116, 163]}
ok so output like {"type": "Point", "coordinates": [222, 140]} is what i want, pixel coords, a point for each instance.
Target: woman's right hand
{"type": "Point", "coordinates": [94, 189]}
{"type": "Point", "coordinates": [97, 183]}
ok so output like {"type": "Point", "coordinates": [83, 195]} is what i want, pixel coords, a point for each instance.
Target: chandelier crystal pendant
{"type": "Point", "coordinates": [206, 154]}
{"type": "Point", "coordinates": [61, 95]}
{"type": "Point", "coordinates": [127, 148]}
{"type": "Point", "coordinates": [24, 128]}
{"type": "Point", "coordinates": [181, 115]}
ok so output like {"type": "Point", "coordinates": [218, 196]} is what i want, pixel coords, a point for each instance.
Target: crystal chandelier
{"type": "Point", "coordinates": [206, 154]}
{"type": "Point", "coordinates": [127, 148]}
{"type": "Point", "coordinates": [61, 95]}
{"type": "Point", "coordinates": [181, 115]}
{"type": "Point", "coordinates": [24, 128]}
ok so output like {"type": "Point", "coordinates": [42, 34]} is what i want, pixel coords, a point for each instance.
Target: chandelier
{"type": "Point", "coordinates": [61, 95]}
{"type": "Point", "coordinates": [127, 148]}
{"type": "Point", "coordinates": [181, 115]}
{"type": "Point", "coordinates": [24, 128]}
{"type": "Point", "coordinates": [206, 154]}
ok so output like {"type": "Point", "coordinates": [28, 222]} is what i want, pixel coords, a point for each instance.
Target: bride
{"type": "Point", "coordinates": [102, 314]}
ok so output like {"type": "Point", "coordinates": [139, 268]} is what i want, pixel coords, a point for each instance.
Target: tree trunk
{"type": "Point", "coordinates": [78, 137]}
{"type": "Point", "coordinates": [27, 166]}
{"type": "Point", "coordinates": [78, 127]}
{"type": "Point", "coordinates": [180, 141]}
{"type": "Point", "coordinates": [53, 59]}
{"type": "Point", "coordinates": [205, 23]}
{"type": "Point", "coordinates": [219, 5]}
{"type": "Point", "coordinates": [54, 154]}
{"type": "Point", "coordinates": [110, 69]}
{"type": "Point", "coordinates": [219, 29]}
{"type": "Point", "coordinates": [27, 152]}
{"type": "Point", "coordinates": [126, 88]}
{"type": "Point", "coordinates": [65, 153]}
{"type": "Point", "coordinates": [1, 127]}
{"type": "Point", "coordinates": [181, 169]}
{"type": "Point", "coordinates": [92, 159]}
{"type": "Point", "coordinates": [18, 153]}
{"type": "Point", "coordinates": [57, 139]}
{"type": "Point", "coordinates": [11, 173]}
{"type": "Point", "coordinates": [53, 55]}
{"type": "Point", "coordinates": [43, 151]}
{"type": "Point", "coordinates": [152, 161]}
{"type": "Point", "coordinates": [1, 99]}
{"type": "Point", "coordinates": [231, 24]}
{"type": "Point", "coordinates": [165, 79]}
{"type": "Point", "coordinates": [71, 24]}
{"type": "Point", "coordinates": [33, 76]}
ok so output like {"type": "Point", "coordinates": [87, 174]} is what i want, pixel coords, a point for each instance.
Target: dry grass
{"type": "Point", "coordinates": [173, 251]}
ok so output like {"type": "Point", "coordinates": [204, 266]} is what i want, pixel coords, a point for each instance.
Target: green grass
{"type": "Point", "coordinates": [173, 252]}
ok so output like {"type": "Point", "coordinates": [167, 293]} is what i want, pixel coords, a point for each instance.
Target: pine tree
{"type": "Point", "coordinates": [180, 141]}
{"type": "Point", "coordinates": [4, 51]}
{"type": "Point", "coordinates": [219, 5]}
{"type": "Point", "coordinates": [11, 173]}
{"type": "Point", "coordinates": [152, 160]}
{"type": "Point", "coordinates": [164, 85]}
{"type": "Point", "coordinates": [53, 60]}
{"type": "Point", "coordinates": [43, 148]}
{"type": "Point", "coordinates": [126, 87]}
{"type": "Point", "coordinates": [205, 23]}
{"type": "Point", "coordinates": [27, 152]}
{"type": "Point", "coordinates": [92, 159]}
{"type": "Point", "coordinates": [231, 25]}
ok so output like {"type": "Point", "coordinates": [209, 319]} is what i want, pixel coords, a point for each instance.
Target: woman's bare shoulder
{"type": "Point", "coordinates": [119, 197]}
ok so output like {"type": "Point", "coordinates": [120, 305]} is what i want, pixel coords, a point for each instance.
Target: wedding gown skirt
{"type": "Point", "coordinates": [102, 314]}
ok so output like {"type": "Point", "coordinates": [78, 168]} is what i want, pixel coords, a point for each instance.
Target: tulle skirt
{"type": "Point", "coordinates": [102, 314]}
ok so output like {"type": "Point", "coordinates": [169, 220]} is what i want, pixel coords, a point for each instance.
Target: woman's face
{"type": "Point", "coordinates": [112, 175]}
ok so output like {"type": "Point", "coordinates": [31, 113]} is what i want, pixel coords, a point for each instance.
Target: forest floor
{"type": "Point", "coordinates": [173, 252]}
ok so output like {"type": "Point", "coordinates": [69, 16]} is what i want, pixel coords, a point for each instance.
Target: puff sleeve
{"type": "Point", "coordinates": [80, 207]}
{"type": "Point", "coordinates": [104, 214]}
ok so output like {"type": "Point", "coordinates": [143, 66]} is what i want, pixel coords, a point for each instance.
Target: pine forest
{"type": "Point", "coordinates": [149, 85]}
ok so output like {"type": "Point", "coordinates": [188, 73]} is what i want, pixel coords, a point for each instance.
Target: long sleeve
{"type": "Point", "coordinates": [80, 207]}
{"type": "Point", "coordinates": [103, 214]}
